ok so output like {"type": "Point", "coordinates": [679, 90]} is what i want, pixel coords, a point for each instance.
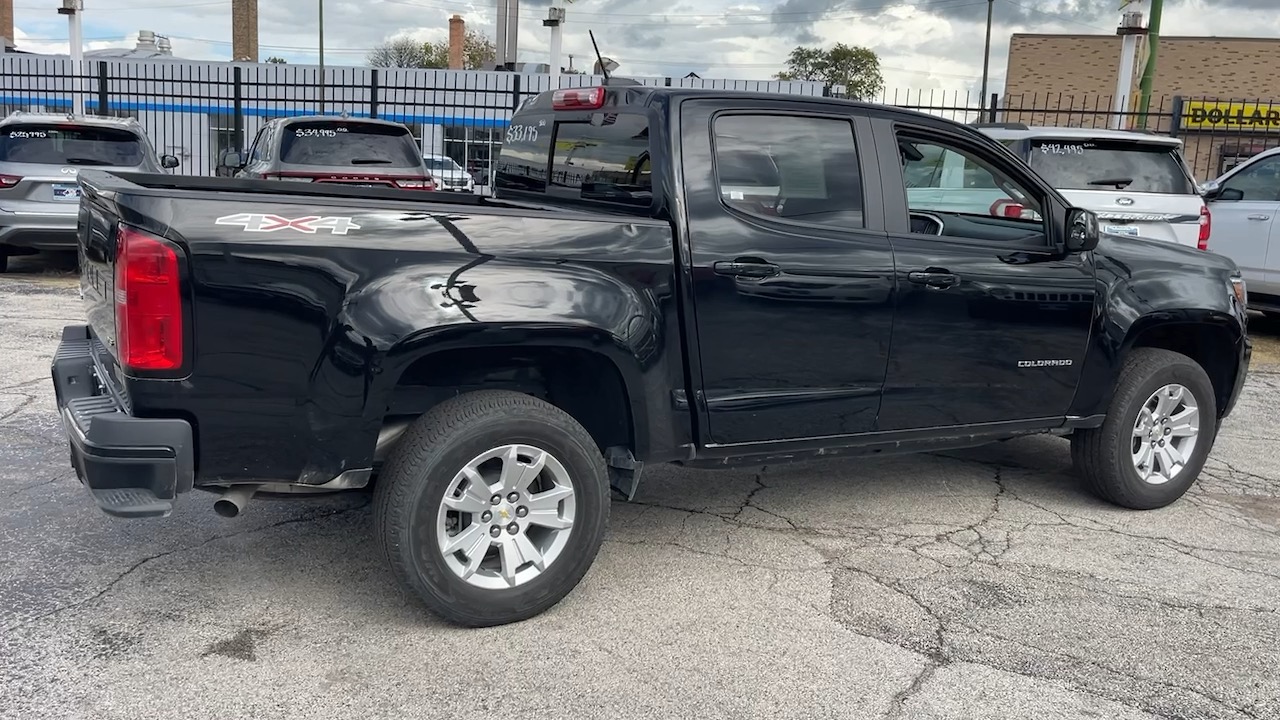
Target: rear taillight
{"type": "Point", "coordinates": [578, 99]}
{"type": "Point", "coordinates": [8, 181]}
{"type": "Point", "coordinates": [416, 184]}
{"type": "Point", "coordinates": [1206, 225]}
{"type": "Point", "coordinates": [148, 301]}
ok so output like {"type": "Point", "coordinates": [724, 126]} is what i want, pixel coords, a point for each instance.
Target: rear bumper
{"type": "Point", "coordinates": [133, 467]}
{"type": "Point", "coordinates": [38, 231]}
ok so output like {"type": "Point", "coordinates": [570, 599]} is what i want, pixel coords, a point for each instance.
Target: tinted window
{"type": "Point", "coordinates": [338, 143]}
{"type": "Point", "coordinates": [1094, 164]}
{"type": "Point", "coordinates": [605, 160]}
{"type": "Point", "coordinates": [63, 145]}
{"type": "Point", "coordinates": [522, 163]}
{"type": "Point", "coordinates": [1259, 181]}
{"type": "Point", "coordinates": [799, 168]}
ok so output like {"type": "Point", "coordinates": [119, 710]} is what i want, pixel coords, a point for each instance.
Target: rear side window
{"type": "Point", "coordinates": [803, 169]}
{"type": "Point", "coordinates": [51, 144]}
{"type": "Point", "coordinates": [1110, 165]}
{"type": "Point", "coordinates": [606, 160]}
{"type": "Point", "coordinates": [339, 143]}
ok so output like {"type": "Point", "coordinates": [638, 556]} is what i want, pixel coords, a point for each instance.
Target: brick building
{"type": "Point", "coordinates": [1227, 86]}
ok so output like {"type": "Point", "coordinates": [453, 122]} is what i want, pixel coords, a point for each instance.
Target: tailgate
{"type": "Point", "coordinates": [96, 230]}
{"type": "Point", "coordinates": [1154, 216]}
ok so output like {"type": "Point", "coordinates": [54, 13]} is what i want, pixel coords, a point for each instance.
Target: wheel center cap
{"type": "Point", "coordinates": [505, 512]}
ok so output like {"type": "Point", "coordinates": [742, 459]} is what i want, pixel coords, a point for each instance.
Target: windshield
{"type": "Point", "coordinates": [442, 164]}
{"type": "Point", "coordinates": [52, 144]}
{"type": "Point", "coordinates": [348, 143]}
{"type": "Point", "coordinates": [1110, 165]}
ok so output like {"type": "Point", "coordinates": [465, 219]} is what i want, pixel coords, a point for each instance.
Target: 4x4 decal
{"type": "Point", "coordinates": [254, 222]}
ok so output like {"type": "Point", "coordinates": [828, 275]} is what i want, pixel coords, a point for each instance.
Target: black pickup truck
{"type": "Point", "coordinates": [663, 276]}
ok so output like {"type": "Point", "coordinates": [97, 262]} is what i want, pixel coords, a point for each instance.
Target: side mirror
{"type": "Point", "coordinates": [168, 162]}
{"type": "Point", "coordinates": [232, 160]}
{"type": "Point", "coordinates": [1211, 190]}
{"type": "Point", "coordinates": [1229, 195]}
{"type": "Point", "coordinates": [1082, 230]}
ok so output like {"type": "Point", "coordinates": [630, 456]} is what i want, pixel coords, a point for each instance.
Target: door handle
{"type": "Point", "coordinates": [1259, 217]}
{"type": "Point", "coordinates": [745, 267]}
{"type": "Point", "coordinates": [937, 279]}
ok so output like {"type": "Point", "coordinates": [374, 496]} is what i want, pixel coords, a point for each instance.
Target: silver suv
{"type": "Point", "coordinates": [40, 156]}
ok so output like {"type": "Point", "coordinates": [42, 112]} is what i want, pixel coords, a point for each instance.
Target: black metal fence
{"type": "Point", "coordinates": [197, 111]}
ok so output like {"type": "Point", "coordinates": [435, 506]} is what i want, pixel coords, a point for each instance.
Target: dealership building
{"type": "Point", "coordinates": [1220, 95]}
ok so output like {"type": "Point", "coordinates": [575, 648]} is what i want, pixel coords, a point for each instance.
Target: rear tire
{"type": "Point", "coordinates": [437, 490]}
{"type": "Point", "coordinates": [1159, 430]}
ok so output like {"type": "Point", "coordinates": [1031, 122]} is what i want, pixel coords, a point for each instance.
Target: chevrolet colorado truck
{"type": "Point", "coordinates": [663, 276]}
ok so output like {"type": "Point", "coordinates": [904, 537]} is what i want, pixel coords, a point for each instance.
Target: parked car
{"type": "Point", "coordinates": [354, 152]}
{"type": "Point", "coordinates": [498, 366]}
{"type": "Point", "coordinates": [1137, 183]}
{"type": "Point", "coordinates": [40, 156]}
{"type": "Point", "coordinates": [1246, 203]}
{"type": "Point", "coordinates": [448, 174]}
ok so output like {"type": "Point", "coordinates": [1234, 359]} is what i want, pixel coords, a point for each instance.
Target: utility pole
{"type": "Point", "coordinates": [1149, 70]}
{"type": "Point", "coordinates": [72, 9]}
{"type": "Point", "coordinates": [555, 21]}
{"type": "Point", "coordinates": [321, 56]}
{"type": "Point", "coordinates": [986, 56]}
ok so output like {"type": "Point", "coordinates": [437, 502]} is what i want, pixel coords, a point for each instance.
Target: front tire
{"type": "Point", "coordinates": [492, 507]}
{"type": "Point", "coordinates": [1160, 427]}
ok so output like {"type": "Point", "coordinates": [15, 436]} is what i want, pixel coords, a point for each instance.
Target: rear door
{"type": "Point", "coordinates": [1137, 188]}
{"type": "Point", "coordinates": [41, 162]}
{"type": "Point", "coordinates": [1244, 222]}
{"type": "Point", "coordinates": [792, 273]}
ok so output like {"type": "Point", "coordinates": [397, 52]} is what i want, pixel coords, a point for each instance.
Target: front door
{"type": "Point", "coordinates": [1244, 219]}
{"type": "Point", "coordinates": [992, 322]}
{"type": "Point", "coordinates": [792, 293]}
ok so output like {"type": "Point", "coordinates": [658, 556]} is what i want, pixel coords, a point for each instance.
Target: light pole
{"type": "Point", "coordinates": [72, 9]}
{"type": "Point", "coordinates": [986, 57]}
{"type": "Point", "coordinates": [321, 56]}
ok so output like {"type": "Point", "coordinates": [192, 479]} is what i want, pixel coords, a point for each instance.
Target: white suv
{"type": "Point", "coordinates": [1138, 183]}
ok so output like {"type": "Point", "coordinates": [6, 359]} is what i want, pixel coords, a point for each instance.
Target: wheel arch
{"type": "Point", "coordinates": [1210, 338]}
{"type": "Point", "coordinates": [585, 371]}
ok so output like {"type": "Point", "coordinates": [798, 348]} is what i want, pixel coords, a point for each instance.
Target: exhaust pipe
{"type": "Point", "coordinates": [232, 502]}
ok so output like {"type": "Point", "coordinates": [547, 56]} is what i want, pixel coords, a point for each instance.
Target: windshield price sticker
{"type": "Point", "coordinates": [28, 134]}
{"type": "Point", "coordinates": [318, 132]}
{"type": "Point", "coordinates": [524, 133]}
{"type": "Point", "coordinates": [1062, 148]}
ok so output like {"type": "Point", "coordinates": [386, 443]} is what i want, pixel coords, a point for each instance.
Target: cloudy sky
{"type": "Point", "coordinates": [924, 45]}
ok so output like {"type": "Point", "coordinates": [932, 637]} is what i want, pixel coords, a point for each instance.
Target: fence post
{"type": "Point", "coordinates": [995, 103]}
{"type": "Point", "coordinates": [1175, 122]}
{"type": "Point", "coordinates": [103, 100]}
{"type": "Point", "coordinates": [826, 91]}
{"type": "Point", "coordinates": [373, 94]}
{"type": "Point", "coordinates": [237, 108]}
{"type": "Point", "coordinates": [515, 93]}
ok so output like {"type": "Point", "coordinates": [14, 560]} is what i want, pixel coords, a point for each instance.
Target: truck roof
{"type": "Point", "coordinates": [645, 94]}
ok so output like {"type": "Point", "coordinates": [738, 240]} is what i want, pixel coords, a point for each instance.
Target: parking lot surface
{"type": "Point", "coordinates": [979, 584]}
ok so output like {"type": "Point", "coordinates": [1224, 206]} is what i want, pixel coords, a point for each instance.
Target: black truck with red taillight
{"type": "Point", "coordinates": [664, 276]}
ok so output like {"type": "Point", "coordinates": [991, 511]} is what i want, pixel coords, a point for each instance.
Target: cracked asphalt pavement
{"type": "Point", "coordinates": [975, 584]}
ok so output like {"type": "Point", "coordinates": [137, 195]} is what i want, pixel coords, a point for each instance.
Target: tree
{"type": "Point", "coordinates": [478, 53]}
{"type": "Point", "coordinates": [277, 60]}
{"type": "Point", "coordinates": [856, 68]}
{"type": "Point", "coordinates": [399, 52]}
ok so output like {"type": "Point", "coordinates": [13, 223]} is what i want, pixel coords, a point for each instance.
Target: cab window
{"type": "Point", "coordinates": [952, 191]}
